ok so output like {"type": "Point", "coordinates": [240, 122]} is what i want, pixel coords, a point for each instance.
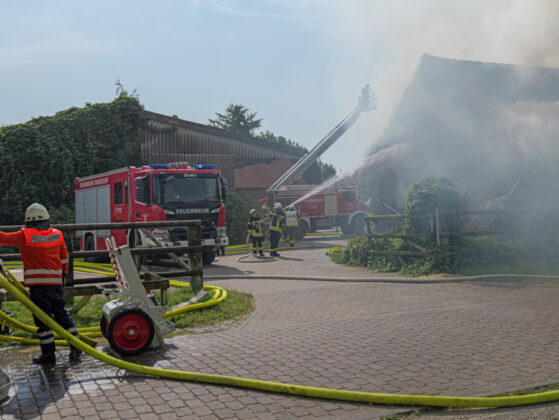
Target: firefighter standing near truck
{"type": "Point", "coordinates": [291, 224]}
{"type": "Point", "coordinates": [255, 232]}
{"type": "Point", "coordinates": [276, 227]}
{"type": "Point", "coordinates": [45, 261]}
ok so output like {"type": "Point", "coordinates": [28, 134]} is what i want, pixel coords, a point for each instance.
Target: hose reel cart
{"type": "Point", "coordinates": [134, 322]}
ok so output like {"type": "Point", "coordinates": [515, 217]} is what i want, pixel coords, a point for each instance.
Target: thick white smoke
{"type": "Point", "coordinates": [389, 38]}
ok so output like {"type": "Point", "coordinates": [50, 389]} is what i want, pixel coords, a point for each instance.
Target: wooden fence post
{"type": "Point", "coordinates": [437, 226]}
{"type": "Point", "coordinates": [195, 257]}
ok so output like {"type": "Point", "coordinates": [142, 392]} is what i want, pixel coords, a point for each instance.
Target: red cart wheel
{"type": "Point", "coordinates": [130, 332]}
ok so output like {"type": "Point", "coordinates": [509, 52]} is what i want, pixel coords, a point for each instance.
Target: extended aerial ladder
{"type": "Point", "coordinates": [367, 102]}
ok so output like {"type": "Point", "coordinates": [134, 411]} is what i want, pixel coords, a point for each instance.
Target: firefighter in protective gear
{"type": "Point", "coordinates": [291, 224]}
{"type": "Point", "coordinates": [255, 232]}
{"type": "Point", "coordinates": [276, 227]}
{"type": "Point", "coordinates": [45, 261]}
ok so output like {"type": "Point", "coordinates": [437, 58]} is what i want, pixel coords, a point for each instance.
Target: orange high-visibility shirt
{"type": "Point", "coordinates": [43, 252]}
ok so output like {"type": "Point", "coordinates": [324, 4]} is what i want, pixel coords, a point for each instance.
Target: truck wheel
{"type": "Point", "coordinates": [358, 225]}
{"type": "Point", "coordinates": [302, 230]}
{"type": "Point", "coordinates": [130, 332]}
{"type": "Point", "coordinates": [89, 245]}
{"type": "Point", "coordinates": [346, 228]}
{"type": "Point", "coordinates": [208, 256]}
{"type": "Point", "coordinates": [134, 241]}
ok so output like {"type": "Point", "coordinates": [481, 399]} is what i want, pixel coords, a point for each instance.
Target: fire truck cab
{"type": "Point", "coordinates": [156, 192]}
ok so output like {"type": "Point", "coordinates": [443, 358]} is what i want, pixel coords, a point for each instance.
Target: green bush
{"type": "Point", "coordinates": [40, 158]}
{"type": "Point", "coordinates": [356, 253]}
{"type": "Point", "coordinates": [237, 209]}
{"type": "Point", "coordinates": [426, 196]}
{"type": "Point", "coordinates": [484, 251]}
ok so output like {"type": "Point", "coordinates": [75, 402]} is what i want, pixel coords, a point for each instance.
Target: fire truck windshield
{"type": "Point", "coordinates": [182, 188]}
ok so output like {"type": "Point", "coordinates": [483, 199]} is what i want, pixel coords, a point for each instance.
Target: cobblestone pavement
{"type": "Point", "coordinates": [466, 339]}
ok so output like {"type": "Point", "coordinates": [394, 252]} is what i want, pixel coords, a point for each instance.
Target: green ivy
{"type": "Point", "coordinates": [40, 158]}
{"type": "Point", "coordinates": [237, 209]}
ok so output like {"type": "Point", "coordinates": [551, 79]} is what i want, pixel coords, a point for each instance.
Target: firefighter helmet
{"type": "Point", "coordinates": [36, 212]}
{"type": "Point", "coordinates": [252, 211]}
{"type": "Point", "coordinates": [277, 206]}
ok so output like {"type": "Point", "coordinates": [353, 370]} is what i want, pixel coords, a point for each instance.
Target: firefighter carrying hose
{"type": "Point", "coordinates": [276, 226]}
{"type": "Point", "coordinates": [255, 232]}
{"type": "Point", "coordinates": [291, 224]}
{"type": "Point", "coordinates": [45, 261]}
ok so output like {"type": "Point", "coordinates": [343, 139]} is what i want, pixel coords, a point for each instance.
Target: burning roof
{"type": "Point", "coordinates": [490, 127]}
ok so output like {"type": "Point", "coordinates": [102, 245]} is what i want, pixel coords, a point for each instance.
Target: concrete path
{"type": "Point", "coordinates": [466, 339]}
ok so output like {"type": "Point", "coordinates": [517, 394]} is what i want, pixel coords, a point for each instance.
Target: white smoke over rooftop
{"type": "Point", "coordinates": [384, 42]}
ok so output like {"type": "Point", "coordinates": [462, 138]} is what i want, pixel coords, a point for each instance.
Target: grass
{"type": "Point", "coordinates": [235, 306]}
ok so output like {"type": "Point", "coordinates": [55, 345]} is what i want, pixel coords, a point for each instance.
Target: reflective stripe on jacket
{"type": "Point", "coordinates": [278, 220]}
{"type": "Point", "coordinates": [254, 228]}
{"type": "Point", "coordinates": [43, 252]}
{"type": "Point", "coordinates": [291, 218]}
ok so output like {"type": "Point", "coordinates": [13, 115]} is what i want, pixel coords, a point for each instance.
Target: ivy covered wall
{"type": "Point", "coordinates": [39, 159]}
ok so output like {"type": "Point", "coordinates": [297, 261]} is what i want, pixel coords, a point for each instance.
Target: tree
{"type": "Point", "coordinates": [268, 135]}
{"type": "Point", "coordinates": [40, 158]}
{"type": "Point", "coordinates": [238, 119]}
{"type": "Point", "coordinates": [317, 173]}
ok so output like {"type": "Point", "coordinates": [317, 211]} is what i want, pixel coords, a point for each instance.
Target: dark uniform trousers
{"type": "Point", "coordinates": [50, 298]}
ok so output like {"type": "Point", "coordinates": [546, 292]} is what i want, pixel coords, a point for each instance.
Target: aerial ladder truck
{"type": "Point", "coordinates": [335, 206]}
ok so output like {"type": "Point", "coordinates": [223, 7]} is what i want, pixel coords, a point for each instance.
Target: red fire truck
{"type": "Point", "coordinates": [335, 206]}
{"type": "Point", "coordinates": [156, 192]}
{"type": "Point", "coordinates": [328, 208]}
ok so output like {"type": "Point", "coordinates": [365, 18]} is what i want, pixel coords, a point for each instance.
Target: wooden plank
{"type": "Point", "coordinates": [394, 235]}
{"type": "Point", "coordinates": [159, 284]}
{"type": "Point", "coordinates": [397, 216]}
{"type": "Point", "coordinates": [395, 252]}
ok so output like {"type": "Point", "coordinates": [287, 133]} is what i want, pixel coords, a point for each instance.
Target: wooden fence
{"type": "Point", "coordinates": [439, 226]}
{"type": "Point", "coordinates": [81, 286]}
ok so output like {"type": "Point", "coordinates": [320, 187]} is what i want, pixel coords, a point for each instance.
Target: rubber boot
{"type": "Point", "coordinates": [75, 354]}
{"type": "Point", "coordinates": [47, 357]}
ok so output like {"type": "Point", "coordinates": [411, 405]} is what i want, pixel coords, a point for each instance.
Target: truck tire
{"type": "Point", "coordinates": [208, 256]}
{"type": "Point", "coordinates": [346, 228]}
{"type": "Point", "coordinates": [135, 241]}
{"type": "Point", "coordinates": [358, 225]}
{"type": "Point", "coordinates": [89, 245]}
{"type": "Point", "coordinates": [302, 230]}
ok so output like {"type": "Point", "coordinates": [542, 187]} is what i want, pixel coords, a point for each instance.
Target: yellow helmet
{"type": "Point", "coordinates": [36, 212]}
{"type": "Point", "coordinates": [277, 206]}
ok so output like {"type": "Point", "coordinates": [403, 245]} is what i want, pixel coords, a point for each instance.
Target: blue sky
{"type": "Point", "coordinates": [299, 64]}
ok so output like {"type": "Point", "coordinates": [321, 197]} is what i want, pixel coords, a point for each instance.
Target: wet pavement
{"type": "Point", "coordinates": [465, 339]}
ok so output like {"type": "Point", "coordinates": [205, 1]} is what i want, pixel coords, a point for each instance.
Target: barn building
{"type": "Point", "coordinates": [248, 163]}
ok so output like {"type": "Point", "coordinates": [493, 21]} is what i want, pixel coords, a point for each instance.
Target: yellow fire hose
{"type": "Point", "coordinates": [307, 391]}
{"type": "Point", "coordinates": [86, 334]}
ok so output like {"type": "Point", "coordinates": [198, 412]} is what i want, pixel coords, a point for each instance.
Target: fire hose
{"type": "Point", "coordinates": [276, 387]}
{"type": "Point", "coordinates": [86, 334]}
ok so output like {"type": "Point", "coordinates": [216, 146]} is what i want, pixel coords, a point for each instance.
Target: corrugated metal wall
{"type": "Point", "coordinates": [169, 139]}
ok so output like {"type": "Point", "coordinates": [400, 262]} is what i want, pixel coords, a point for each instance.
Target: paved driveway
{"type": "Point", "coordinates": [467, 339]}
